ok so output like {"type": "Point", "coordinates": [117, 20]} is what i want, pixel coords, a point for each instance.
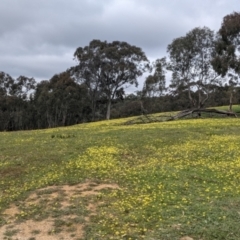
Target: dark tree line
{"type": "Point", "coordinates": [204, 68]}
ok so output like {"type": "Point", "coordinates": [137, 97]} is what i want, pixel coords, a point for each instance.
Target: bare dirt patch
{"type": "Point", "coordinates": [53, 213]}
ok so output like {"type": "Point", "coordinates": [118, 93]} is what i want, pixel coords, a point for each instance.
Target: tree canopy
{"type": "Point", "coordinates": [190, 63]}
{"type": "Point", "coordinates": [109, 67]}
{"type": "Point", "coordinates": [155, 84]}
{"type": "Point", "coordinates": [227, 57]}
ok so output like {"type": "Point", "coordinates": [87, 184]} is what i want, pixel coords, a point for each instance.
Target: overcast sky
{"type": "Point", "coordinates": [38, 37]}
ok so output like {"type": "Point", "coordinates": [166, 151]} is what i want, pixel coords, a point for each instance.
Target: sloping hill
{"type": "Point", "coordinates": [108, 180]}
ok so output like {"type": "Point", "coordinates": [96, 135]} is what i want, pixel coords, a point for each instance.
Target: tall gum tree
{"type": "Point", "coordinates": [155, 84]}
{"type": "Point", "coordinates": [108, 68]}
{"type": "Point", "coordinates": [190, 64]}
{"type": "Point", "coordinates": [14, 101]}
{"type": "Point", "coordinates": [227, 58]}
{"type": "Point", "coordinates": [6, 84]}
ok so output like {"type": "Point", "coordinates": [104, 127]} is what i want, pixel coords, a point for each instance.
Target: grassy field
{"type": "Point", "coordinates": [107, 180]}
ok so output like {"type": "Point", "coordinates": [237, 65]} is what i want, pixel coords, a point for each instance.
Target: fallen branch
{"type": "Point", "coordinates": [185, 113]}
{"type": "Point", "coordinates": [145, 118]}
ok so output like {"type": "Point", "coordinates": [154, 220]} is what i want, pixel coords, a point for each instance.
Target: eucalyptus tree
{"type": "Point", "coordinates": [227, 58]}
{"type": "Point", "coordinates": [6, 83]}
{"type": "Point", "coordinates": [190, 63]}
{"type": "Point", "coordinates": [68, 99]}
{"type": "Point", "coordinates": [14, 96]}
{"type": "Point", "coordinates": [228, 45]}
{"type": "Point", "coordinates": [23, 87]}
{"type": "Point", "coordinates": [155, 84]}
{"type": "Point", "coordinates": [21, 92]}
{"type": "Point", "coordinates": [20, 87]}
{"type": "Point", "coordinates": [60, 101]}
{"type": "Point", "coordinates": [108, 68]}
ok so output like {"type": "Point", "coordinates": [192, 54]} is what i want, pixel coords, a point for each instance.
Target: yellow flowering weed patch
{"type": "Point", "coordinates": [175, 179]}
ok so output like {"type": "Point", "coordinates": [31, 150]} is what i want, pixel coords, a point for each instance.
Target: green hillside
{"type": "Point", "coordinates": [108, 180]}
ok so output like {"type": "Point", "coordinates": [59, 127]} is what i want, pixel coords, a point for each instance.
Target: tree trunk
{"type": "Point", "coordinates": [143, 110]}
{"type": "Point", "coordinates": [199, 99]}
{"type": "Point", "coordinates": [230, 101]}
{"type": "Point", "coordinates": [93, 109]}
{"type": "Point", "coordinates": [192, 101]}
{"type": "Point", "coordinates": [108, 109]}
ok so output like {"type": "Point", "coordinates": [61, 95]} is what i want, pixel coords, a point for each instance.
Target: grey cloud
{"type": "Point", "coordinates": [38, 38]}
{"type": "Point", "coordinates": [40, 67]}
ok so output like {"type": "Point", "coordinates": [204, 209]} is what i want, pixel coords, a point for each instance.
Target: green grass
{"type": "Point", "coordinates": [175, 179]}
{"type": "Point", "coordinates": [236, 108]}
